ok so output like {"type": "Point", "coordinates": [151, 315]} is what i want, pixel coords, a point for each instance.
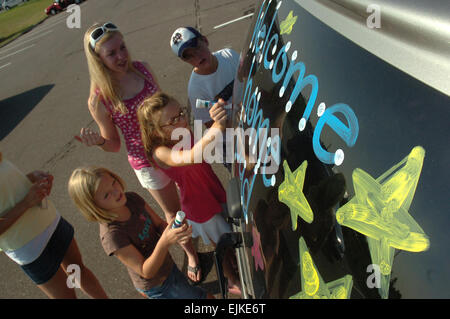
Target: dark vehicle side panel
{"type": "Point", "coordinates": [393, 131]}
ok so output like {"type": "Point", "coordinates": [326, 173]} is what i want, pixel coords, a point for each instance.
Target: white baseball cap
{"type": "Point", "coordinates": [183, 38]}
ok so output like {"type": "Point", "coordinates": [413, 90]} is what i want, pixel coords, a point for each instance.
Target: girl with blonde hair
{"type": "Point", "coordinates": [118, 86]}
{"type": "Point", "coordinates": [203, 197]}
{"type": "Point", "coordinates": [134, 233]}
{"type": "Point", "coordinates": [37, 237]}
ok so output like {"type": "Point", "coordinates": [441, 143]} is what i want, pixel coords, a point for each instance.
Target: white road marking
{"type": "Point", "coordinates": [42, 27]}
{"type": "Point", "coordinates": [18, 51]}
{"type": "Point", "coordinates": [35, 31]}
{"type": "Point", "coordinates": [4, 66]}
{"type": "Point", "coordinates": [232, 21]}
{"type": "Point", "coordinates": [34, 34]}
{"type": "Point", "coordinates": [19, 44]}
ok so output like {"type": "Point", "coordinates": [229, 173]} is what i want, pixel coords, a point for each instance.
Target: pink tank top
{"type": "Point", "coordinates": [129, 124]}
{"type": "Point", "coordinates": [201, 192]}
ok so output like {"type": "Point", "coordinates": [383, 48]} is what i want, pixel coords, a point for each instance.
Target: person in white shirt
{"type": "Point", "coordinates": [212, 78]}
{"type": "Point", "coordinates": [213, 73]}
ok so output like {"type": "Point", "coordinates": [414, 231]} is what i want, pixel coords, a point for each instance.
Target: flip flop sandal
{"type": "Point", "coordinates": [195, 270]}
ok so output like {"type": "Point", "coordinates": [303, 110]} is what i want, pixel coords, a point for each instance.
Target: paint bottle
{"type": "Point", "coordinates": [178, 219]}
{"type": "Point", "coordinates": [44, 203]}
{"type": "Point", "coordinates": [202, 104]}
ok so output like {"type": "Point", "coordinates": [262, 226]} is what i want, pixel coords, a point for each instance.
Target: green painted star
{"type": "Point", "coordinates": [379, 210]}
{"type": "Point", "coordinates": [290, 192]}
{"type": "Point", "coordinates": [313, 286]}
{"type": "Point", "coordinates": [287, 24]}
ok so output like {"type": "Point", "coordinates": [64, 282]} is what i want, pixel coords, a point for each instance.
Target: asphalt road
{"type": "Point", "coordinates": [43, 94]}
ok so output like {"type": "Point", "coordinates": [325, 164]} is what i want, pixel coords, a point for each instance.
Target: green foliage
{"type": "Point", "coordinates": [21, 18]}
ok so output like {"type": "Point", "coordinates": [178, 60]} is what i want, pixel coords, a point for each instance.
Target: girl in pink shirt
{"type": "Point", "coordinates": [202, 196]}
{"type": "Point", "coordinates": [118, 86]}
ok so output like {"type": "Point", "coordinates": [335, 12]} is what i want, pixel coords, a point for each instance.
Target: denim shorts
{"type": "Point", "coordinates": [176, 286]}
{"type": "Point", "coordinates": [47, 264]}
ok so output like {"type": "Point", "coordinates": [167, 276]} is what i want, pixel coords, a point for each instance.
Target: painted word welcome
{"type": "Point", "coordinates": [262, 45]}
{"type": "Point", "coordinates": [283, 69]}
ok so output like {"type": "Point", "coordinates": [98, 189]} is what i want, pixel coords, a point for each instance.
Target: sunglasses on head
{"type": "Point", "coordinates": [99, 32]}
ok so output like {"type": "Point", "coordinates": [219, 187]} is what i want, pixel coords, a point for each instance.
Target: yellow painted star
{"type": "Point", "coordinates": [290, 192]}
{"type": "Point", "coordinates": [287, 24]}
{"type": "Point", "coordinates": [313, 286]}
{"type": "Point", "coordinates": [379, 210]}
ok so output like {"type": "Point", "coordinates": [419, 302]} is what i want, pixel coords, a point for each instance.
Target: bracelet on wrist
{"type": "Point", "coordinates": [104, 141]}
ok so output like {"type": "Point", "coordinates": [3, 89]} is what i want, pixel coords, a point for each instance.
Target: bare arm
{"type": "Point", "coordinates": [8, 219]}
{"type": "Point", "coordinates": [42, 184]}
{"type": "Point", "coordinates": [148, 268]}
{"type": "Point", "coordinates": [166, 156]}
{"type": "Point", "coordinates": [108, 139]}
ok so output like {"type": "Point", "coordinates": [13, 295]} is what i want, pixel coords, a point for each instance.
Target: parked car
{"type": "Point", "coordinates": [8, 4]}
{"type": "Point", "coordinates": [60, 5]}
{"type": "Point", "coordinates": [351, 104]}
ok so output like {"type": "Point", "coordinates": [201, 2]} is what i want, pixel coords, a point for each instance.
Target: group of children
{"type": "Point", "coordinates": [127, 96]}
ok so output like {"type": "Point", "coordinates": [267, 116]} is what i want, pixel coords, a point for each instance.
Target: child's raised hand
{"type": "Point", "coordinates": [89, 137]}
{"type": "Point", "coordinates": [186, 235]}
{"type": "Point", "coordinates": [173, 235]}
{"type": "Point", "coordinates": [43, 178]}
{"type": "Point", "coordinates": [36, 194]}
{"type": "Point", "coordinates": [219, 115]}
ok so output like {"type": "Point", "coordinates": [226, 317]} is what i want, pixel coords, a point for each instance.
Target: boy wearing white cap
{"type": "Point", "coordinates": [213, 74]}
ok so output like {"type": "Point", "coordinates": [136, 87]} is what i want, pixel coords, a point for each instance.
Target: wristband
{"type": "Point", "coordinates": [104, 141]}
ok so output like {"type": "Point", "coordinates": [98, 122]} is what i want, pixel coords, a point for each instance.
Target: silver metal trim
{"type": "Point", "coordinates": [414, 35]}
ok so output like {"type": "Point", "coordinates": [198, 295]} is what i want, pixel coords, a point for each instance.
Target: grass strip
{"type": "Point", "coordinates": [21, 18]}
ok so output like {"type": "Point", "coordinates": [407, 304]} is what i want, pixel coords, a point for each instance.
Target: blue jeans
{"type": "Point", "coordinates": [176, 286]}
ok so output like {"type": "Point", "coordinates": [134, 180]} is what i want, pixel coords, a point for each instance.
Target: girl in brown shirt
{"type": "Point", "coordinates": [134, 233]}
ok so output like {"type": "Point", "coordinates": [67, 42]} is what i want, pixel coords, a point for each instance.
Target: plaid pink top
{"type": "Point", "coordinates": [129, 124]}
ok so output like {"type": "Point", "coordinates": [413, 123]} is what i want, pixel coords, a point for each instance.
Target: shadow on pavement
{"type": "Point", "coordinates": [14, 109]}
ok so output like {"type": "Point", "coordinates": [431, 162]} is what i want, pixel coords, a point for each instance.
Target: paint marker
{"type": "Point", "coordinates": [44, 203]}
{"type": "Point", "coordinates": [202, 104]}
{"type": "Point", "coordinates": [178, 219]}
